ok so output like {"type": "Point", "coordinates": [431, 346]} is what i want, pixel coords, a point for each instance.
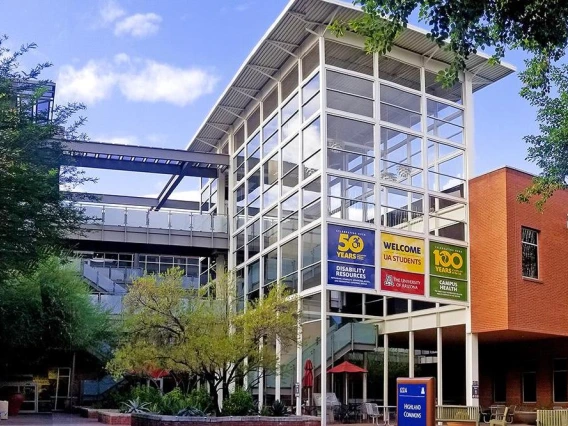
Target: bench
{"type": "Point", "coordinates": [552, 417]}
{"type": "Point", "coordinates": [457, 414]}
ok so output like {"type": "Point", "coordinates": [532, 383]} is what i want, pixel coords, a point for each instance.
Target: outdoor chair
{"type": "Point", "coordinates": [372, 411]}
{"type": "Point", "coordinates": [502, 421]}
{"type": "Point", "coordinates": [509, 417]}
{"type": "Point", "coordinates": [496, 412]}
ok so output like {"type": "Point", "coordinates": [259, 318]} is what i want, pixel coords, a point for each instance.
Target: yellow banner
{"type": "Point", "coordinates": [402, 253]}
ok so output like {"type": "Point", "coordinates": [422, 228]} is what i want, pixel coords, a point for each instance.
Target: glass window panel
{"type": "Point", "coordinates": [350, 188]}
{"type": "Point", "coordinates": [239, 239]}
{"type": "Point", "coordinates": [239, 158]}
{"type": "Point", "coordinates": [289, 257]}
{"type": "Point", "coordinates": [312, 165]}
{"type": "Point", "coordinates": [402, 209]}
{"type": "Point", "coordinates": [270, 218]}
{"type": "Point", "coordinates": [291, 126]}
{"type": "Point", "coordinates": [444, 112]}
{"type": "Point", "coordinates": [239, 139]}
{"type": "Point", "coordinates": [447, 208]}
{"type": "Point", "coordinates": [270, 236]}
{"type": "Point", "coordinates": [290, 108]}
{"type": "Point", "coordinates": [311, 212]}
{"type": "Point", "coordinates": [447, 228]}
{"type": "Point", "coordinates": [439, 151]}
{"type": "Point", "coordinates": [311, 247]}
{"type": "Point", "coordinates": [270, 103]}
{"type": "Point", "coordinates": [270, 144]}
{"type": "Point", "coordinates": [253, 247]}
{"type": "Point", "coordinates": [270, 170]}
{"type": "Point", "coordinates": [290, 204]}
{"type": "Point", "coordinates": [351, 162]}
{"type": "Point", "coordinates": [398, 72]}
{"type": "Point", "coordinates": [253, 208]}
{"type": "Point", "coordinates": [253, 160]}
{"type": "Point", "coordinates": [253, 145]}
{"type": "Point", "coordinates": [348, 57]}
{"type": "Point", "coordinates": [289, 224]}
{"type": "Point", "coordinates": [270, 196]}
{"type": "Point", "coordinates": [239, 198]}
{"type": "Point", "coordinates": [447, 184]}
{"type": "Point", "coordinates": [453, 167]}
{"type": "Point", "coordinates": [253, 121]}
{"type": "Point", "coordinates": [349, 84]}
{"type": "Point", "coordinates": [434, 88]}
{"type": "Point", "coordinates": [240, 173]}
{"type": "Point", "coordinates": [311, 61]}
{"type": "Point", "coordinates": [253, 230]}
{"type": "Point", "coordinates": [401, 148]}
{"type": "Point", "coordinates": [270, 267]}
{"type": "Point", "coordinates": [350, 135]}
{"type": "Point", "coordinates": [348, 103]}
{"type": "Point", "coordinates": [529, 238]}
{"type": "Point", "coordinates": [291, 281]}
{"type": "Point", "coordinates": [311, 277]}
{"type": "Point", "coordinates": [311, 107]}
{"type": "Point", "coordinates": [253, 185]}
{"type": "Point", "coordinates": [290, 155]}
{"type": "Point", "coordinates": [311, 89]}
{"type": "Point", "coordinates": [400, 107]}
{"type": "Point", "coordinates": [253, 276]}
{"type": "Point", "coordinates": [529, 386]}
{"type": "Point", "coordinates": [311, 191]}
{"type": "Point", "coordinates": [290, 181]}
{"type": "Point", "coordinates": [311, 139]}
{"type": "Point", "coordinates": [290, 82]}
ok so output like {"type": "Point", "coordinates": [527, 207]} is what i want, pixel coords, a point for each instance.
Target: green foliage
{"type": "Point", "coordinates": [278, 409]}
{"type": "Point", "coordinates": [148, 394]}
{"type": "Point", "coordinates": [135, 406]}
{"type": "Point", "coordinates": [200, 399]}
{"type": "Point", "coordinates": [239, 403]}
{"type": "Point", "coordinates": [190, 412]}
{"type": "Point", "coordinates": [463, 27]}
{"type": "Point", "coordinates": [34, 214]}
{"type": "Point", "coordinates": [165, 329]}
{"type": "Point", "coordinates": [173, 402]}
{"type": "Point", "coordinates": [49, 310]}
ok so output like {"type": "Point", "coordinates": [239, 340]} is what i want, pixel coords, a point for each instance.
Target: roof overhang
{"type": "Point", "coordinates": [298, 20]}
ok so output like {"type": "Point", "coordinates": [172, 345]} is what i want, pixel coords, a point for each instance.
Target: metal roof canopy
{"type": "Point", "coordinates": [143, 159]}
{"type": "Point", "coordinates": [132, 201]}
{"type": "Point", "coordinates": [292, 27]}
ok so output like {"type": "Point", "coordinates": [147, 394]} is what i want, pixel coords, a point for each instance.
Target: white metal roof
{"type": "Point", "coordinates": [289, 30]}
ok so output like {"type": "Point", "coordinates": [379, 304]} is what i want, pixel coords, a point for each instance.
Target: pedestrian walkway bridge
{"type": "Point", "coordinates": [123, 228]}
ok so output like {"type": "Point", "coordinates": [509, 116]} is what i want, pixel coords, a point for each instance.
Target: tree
{"type": "Point", "coordinates": [34, 213]}
{"type": "Point", "coordinates": [49, 311]}
{"type": "Point", "coordinates": [199, 331]}
{"type": "Point", "coordinates": [539, 27]}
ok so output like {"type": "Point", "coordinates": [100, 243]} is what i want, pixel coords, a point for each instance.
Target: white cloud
{"type": "Point", "coordinates": [137, 79]}
{"type": "Point", "coordinates": [162, 82]}
{"type": "Point", "coordinates": [111, 11]}
{"type": "Point", "coordinates": [139, 25]}
{"type": "Point", "coordinates": [92, 83]}
{"type": "Point", "coordinates": [119, 140]}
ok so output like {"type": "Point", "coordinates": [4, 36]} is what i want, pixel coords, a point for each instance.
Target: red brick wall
{"type": "Point", "coordinates": [109, 418]}
{"type": "Point", "coordinates": [512, 358]}
{"type": "Point", "coordinates": [501, 299]}
{"type": "Point", "coordinates": [488, 252]}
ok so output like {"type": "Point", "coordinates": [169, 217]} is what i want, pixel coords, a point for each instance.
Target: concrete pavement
{"type": "Point", "coordinates": [55, 419]}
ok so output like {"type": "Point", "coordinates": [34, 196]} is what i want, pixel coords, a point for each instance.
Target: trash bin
{"type": "Point", "coordinates": [3, 410]}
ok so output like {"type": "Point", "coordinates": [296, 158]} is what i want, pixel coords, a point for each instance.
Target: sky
{"type": "Point", "coordinates": [150, 71]}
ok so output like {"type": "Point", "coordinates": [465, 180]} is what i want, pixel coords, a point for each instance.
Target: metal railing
{"type": "Point", "coordinates": [145, 218]}
{"type": "Point", "coordinates": [445, 413]}
{"type": "Point", "coordinates": [551, 417]}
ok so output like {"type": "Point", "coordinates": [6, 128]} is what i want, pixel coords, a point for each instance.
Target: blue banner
{"type": "Point", "coordinates": [344, 274]}
{"type": "Point", "coordinates": [355, 246]}
{"type": "Point", "coordinates": [411, 404]}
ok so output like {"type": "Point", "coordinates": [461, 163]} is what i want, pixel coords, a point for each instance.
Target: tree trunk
{"type": "Point", "coordinates": [214, 396]}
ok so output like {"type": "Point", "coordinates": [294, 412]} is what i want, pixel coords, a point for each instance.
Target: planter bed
{"type": "Point", "coordinates": [159, 420]}
{"type": "Point", "coordinates": [88, 412]}
{"type": "Point", "coordinates": [114, 418]}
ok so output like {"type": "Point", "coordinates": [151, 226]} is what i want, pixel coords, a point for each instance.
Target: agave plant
{"type": "Point", "coordinates": [278, 409]}
{"type": "Point", "coordinates": [135, 406]}
{"type": "Point", "coordinates": [190, 412]}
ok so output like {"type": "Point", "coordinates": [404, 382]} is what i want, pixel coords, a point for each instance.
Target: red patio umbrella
{"type": "Point", "coordinates": [308, 379]}
{"type": "Point", "coordinates": [346, 367]}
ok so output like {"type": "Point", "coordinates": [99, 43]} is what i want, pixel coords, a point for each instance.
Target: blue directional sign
{"type": "Point", "coordinates": [411, 404]}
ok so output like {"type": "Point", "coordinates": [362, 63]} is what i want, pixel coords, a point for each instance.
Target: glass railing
{"type": "Point", "coordinates": [145, 218]}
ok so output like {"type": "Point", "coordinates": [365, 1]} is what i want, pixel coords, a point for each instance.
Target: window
{"type": "Point", "coordinates": [500, 386]}
{"type": "Point", "coordinates": [529, 383]}
{"type": "Point", "coordinates": [529, 239]}
{"type": "Point", "coordinates": [351, 199]}
{"type": "Point", "coordinates": [350, 94]}
{"type": "Point", "coordinates": [348, 57]}
{"type": "Point", "coordinates": [560, 380]}
{"type": "Point", "coordinates": [350, 146]}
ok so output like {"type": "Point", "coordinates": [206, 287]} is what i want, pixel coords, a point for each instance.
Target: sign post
{"type": "Point", "coordinates": [416, 404]}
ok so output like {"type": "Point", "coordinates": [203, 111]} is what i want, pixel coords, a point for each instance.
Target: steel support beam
{"type": "Point", "coordinates": [126, 200]}
{"type": "Point", "coordinates": [136, 151]}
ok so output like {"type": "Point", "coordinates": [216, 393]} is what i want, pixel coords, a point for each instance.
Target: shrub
{"type": "Point", "coordinates": [173, 402]}
{"type": "Point", "coordinates": [190, 412]}
{"type": "Point", "coordinates": [134, 406]}
{"type": "Point", "coordinates": [278, 409]}
{"type": "Point", "coordinates": [200, 400]}
{"type": "Point", "coordinates": [239, 403]}
{"type": "Point", "coordinates": [144, 393]}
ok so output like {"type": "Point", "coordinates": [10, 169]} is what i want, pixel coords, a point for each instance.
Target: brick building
{"type": "Point", "coordinates": [519, 292]}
